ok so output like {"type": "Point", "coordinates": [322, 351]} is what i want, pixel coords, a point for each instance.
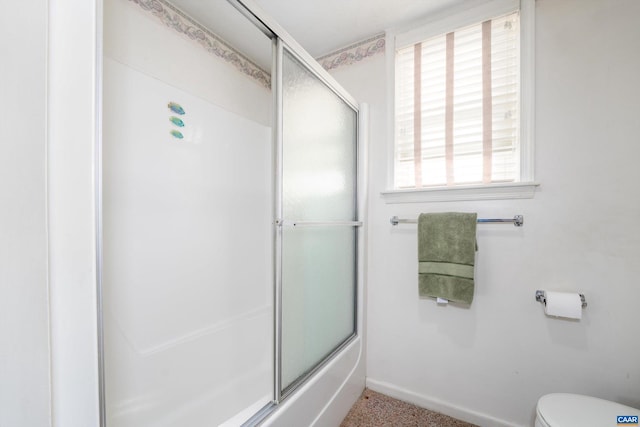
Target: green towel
{"type": "Point", "coordinates": [446, 255]}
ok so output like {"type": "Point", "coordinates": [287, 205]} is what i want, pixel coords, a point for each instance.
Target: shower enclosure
{"type": "Point", "coordinates": [231, 221]}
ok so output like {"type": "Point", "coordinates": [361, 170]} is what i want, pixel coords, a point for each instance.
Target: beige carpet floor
{"type": "Point", "coordinates": [377, 410]}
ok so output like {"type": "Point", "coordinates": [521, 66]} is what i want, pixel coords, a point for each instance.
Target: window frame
{"type": "Point", "coordinates": [441, 23]}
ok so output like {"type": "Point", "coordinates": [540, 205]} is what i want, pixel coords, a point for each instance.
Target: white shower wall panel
{"type": "Point", "coordinates": [187, 277]}
{"type": "Point", "coordinates": [136, 37]}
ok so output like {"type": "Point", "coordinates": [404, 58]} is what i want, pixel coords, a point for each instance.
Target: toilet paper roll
{"type": "Point", "coordinates": [563, 304]}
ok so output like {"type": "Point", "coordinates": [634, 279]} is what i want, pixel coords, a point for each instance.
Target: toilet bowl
{"type": "Point", "coordinates": [574, 410]}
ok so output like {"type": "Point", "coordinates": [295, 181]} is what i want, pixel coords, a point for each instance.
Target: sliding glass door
{"type": "Point", "coordinates": [230, 223]}
{"type": "Point", "coordinates": [319, 226]}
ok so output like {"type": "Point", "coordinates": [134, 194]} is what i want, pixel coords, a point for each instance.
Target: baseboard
{"type": "Point", "coordinates": [437, 405]}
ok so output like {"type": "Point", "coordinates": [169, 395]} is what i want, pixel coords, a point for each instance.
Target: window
{"type": "Point", "coordinates": [458, 99]}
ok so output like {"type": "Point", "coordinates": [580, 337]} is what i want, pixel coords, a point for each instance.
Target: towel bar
{"type": "Point", "coordinates": [517, 221]}
{"type": "Point", "coordinates": [297, 223]}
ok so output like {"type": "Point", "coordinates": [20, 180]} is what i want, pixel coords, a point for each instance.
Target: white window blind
{"type": "Point", "coordinates": [457, 107]}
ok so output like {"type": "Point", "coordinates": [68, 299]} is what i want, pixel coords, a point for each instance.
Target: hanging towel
{"type": "Point", "coordinates": [446, 255]}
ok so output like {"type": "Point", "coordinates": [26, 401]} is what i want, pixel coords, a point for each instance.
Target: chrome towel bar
{"type": "Point", "coordinates": [297, 223]}
{"type": "Point", "coordinates": [517, 221]}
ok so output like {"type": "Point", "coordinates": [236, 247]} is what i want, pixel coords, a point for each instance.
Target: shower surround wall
{"type": "Point", "coordinates": [139, 39]}
{"type": "Point", "coordinates": [488, 364]}
{"type": "Point", "coordinates": [187, 226]}
{"type": "Point", "coordinates": [183, 218]}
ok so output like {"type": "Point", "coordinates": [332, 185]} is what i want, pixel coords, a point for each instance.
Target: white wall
{"type": "Point", "coordinates": [490, 363]}
{"type": "Point", "coordinates": [177, 238]}
{"type": "Point", "coordinates": [135, 37]}
{"type": "Point", "coordinates": [182, 221]}
{"type": "Point", "coordinates": [24, 321]}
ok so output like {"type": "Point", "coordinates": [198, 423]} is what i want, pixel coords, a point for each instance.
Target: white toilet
{"type": "Point", "coordinates": [574, 410]}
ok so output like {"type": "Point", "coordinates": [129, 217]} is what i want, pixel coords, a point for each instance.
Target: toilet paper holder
{"type": "Point", "coordinates": [541, 298]}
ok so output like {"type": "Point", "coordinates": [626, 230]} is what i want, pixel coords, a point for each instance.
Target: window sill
{"type": "Point", "coordinates": [519, 190]}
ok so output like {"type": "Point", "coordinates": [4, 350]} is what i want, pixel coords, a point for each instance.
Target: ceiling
{"type": "Point", "coordinates": [324, 26]}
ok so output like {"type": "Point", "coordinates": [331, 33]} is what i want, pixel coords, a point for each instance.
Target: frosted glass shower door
{"type": "Point", "coordinates": [319, 232]}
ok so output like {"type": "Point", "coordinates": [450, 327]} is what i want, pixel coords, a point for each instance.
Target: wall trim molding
{"type": "Point", "coordinates": [184, 24]}
{"type": "Point", "coordinates": [176, 19]}
{"type": "Point", "coordinates": [435, 404]}
{"type": "Point", "coordinates": [354, 53]}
